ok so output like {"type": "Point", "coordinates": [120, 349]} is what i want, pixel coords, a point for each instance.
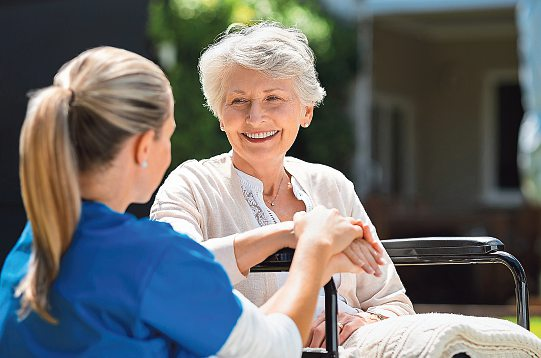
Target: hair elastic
{"type": "Point", "coordinates": [72, 97]}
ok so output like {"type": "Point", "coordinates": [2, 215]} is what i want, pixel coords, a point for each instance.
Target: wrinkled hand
{"type": "Point", "coordinates": [367, 235]}
{"type": "Point", "coordinates": [366, 252]}
{"type": "Point", "coordinates": [348, 324]}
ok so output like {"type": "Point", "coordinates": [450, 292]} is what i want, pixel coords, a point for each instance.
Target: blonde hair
{"type": "Point", "coordinates": [97, 101]}
{"type": "Point", "coordinates": [267, 47]}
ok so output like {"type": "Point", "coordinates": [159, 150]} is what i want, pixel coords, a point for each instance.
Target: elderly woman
{"type": "Point", "coordinates": [261, 84]}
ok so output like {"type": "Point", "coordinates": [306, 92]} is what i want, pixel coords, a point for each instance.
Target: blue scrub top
{"type": "Point", "coordinates": [127, 287]}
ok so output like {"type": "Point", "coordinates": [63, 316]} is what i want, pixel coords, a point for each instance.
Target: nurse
{"type": "Point", "coordinates": [87, 279]}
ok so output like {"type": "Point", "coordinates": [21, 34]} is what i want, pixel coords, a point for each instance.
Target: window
{"type": "Point", "coordinates": [503, 114]}
{"type": "Point", "coordinates": [393, 147]}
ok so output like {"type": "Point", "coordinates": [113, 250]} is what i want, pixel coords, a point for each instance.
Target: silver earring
{"type": "Point", "coordinates": [222, 127]}
{"type": "Point", "coordinates": [144, 164]}
{"type": "Point", "coordinates": [305, 125]}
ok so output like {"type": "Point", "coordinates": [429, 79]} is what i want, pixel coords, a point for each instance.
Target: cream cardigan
{"type": "Point", "coordinates": [204, 200]}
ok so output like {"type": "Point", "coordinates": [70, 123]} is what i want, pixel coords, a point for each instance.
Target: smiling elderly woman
{"type": "Point", "coordinates": [260, 82]}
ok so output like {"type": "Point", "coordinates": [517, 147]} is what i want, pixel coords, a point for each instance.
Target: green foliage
{"type": "Point", "coordinates": [181, 29]}
{"type": "Point", "coordinates": [535, 323]}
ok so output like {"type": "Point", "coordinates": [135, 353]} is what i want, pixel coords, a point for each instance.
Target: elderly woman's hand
{"type": "Point", "coordinates": [366, 252]}
{"type": "Point", "coordinates": [347, 324]}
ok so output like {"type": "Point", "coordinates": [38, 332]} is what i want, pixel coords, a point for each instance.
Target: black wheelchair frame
{"type": "Point", "coordinates": [419, 251]}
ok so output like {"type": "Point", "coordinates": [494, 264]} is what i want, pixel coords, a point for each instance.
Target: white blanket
{"type": "Point", "coordinates": [442, 335]}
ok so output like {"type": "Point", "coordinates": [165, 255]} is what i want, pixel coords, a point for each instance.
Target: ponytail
{"type": "Point", "coordinates": [50, 191]}
{"type": "Point", "coordinates": [77, 126]}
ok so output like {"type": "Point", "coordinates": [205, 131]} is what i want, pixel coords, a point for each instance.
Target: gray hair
{"type": "Point", "coordinates": [267, 47]}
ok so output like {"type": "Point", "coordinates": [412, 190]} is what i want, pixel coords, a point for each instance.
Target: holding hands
{"type": "Point", "coordinates": [350, 241]}
{"type": "Point", "coordinates": [352, 248]}
{"type": "Point", "coordinates": [366, 251]}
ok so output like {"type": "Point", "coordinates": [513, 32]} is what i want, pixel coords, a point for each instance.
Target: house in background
{"type": "Point", "coordinates": [437, 110]}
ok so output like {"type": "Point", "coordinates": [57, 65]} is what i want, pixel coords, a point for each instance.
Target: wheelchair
{"type": "Point", "coordinates": [418, 251]}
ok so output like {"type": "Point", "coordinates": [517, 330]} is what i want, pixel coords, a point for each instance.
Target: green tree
{"type": "Point", "coordinates": [181, 29]}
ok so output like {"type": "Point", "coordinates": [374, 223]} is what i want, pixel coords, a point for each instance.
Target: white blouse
{"type": "Point", "coordinates": [252, 189]}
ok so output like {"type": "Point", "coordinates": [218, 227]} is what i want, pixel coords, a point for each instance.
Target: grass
{"type": "Point", "coordinates": [535, 324]}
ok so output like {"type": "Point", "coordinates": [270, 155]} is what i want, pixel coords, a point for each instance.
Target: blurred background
{"type": "Point", "coordinates": [422, 114]}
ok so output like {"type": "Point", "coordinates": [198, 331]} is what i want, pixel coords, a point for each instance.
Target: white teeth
{"type": "Point", "coordinates": [260, 134]}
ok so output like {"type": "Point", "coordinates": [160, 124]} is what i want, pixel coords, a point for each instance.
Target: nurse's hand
{"type": "Point", "coordinates": [365, 251]}
{"type": "Point", "coordinates": [326, 228]}
{"type": "Point", "coordinates": [340, 263]}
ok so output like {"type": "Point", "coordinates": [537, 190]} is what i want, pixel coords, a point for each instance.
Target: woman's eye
{"type": "Point", "coordinates": [273, 98]}
{"type": "Point", "coordinates": [239, 100]}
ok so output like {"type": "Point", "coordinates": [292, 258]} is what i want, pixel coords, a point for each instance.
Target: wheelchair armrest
{"type": "Point", "coordinates": [441, 246]}
{"type": "Point", "coordinates": [279, 261]}
{"type": "Point", "coordinates": [402, 248]}
{"type": "Point", "coordinates": [419, 247]}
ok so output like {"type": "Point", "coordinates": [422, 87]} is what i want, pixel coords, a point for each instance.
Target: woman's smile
{"type": "Point", "coordinates": [258, 137]}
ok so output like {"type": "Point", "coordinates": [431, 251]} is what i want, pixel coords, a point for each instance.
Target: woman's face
{"type": "Point", "coordinates": [260, 116]}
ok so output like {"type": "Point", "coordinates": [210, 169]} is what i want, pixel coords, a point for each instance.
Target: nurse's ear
{"type": "Point", "coordinates": [143, 143]}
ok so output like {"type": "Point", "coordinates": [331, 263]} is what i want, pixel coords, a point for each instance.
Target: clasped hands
{"type": "Point", "coordinates": [357, 251]}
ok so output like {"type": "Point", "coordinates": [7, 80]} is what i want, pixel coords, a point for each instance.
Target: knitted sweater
{"type": "Point", "coordinates": [204, 200]}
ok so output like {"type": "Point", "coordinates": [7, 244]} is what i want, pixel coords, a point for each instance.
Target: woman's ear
{"type": "Point", "coordinates": [142, 147]}
{"type": "Point", "coordinates": [307, 118]}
